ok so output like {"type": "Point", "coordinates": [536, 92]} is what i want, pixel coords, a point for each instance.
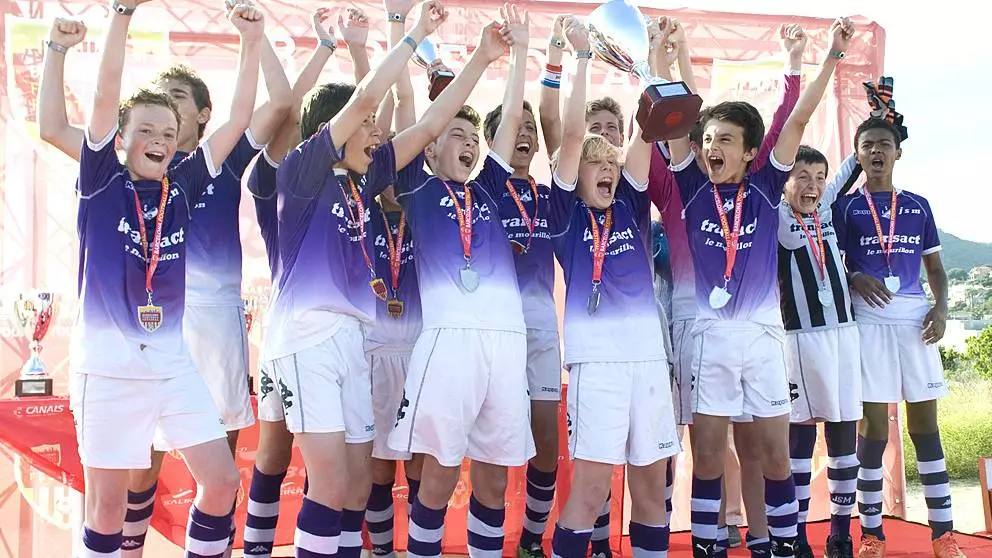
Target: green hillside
{"type": "Point", "coordinates": [963, 254]}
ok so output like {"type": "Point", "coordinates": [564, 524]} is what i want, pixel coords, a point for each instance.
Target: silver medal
{"type": "Point", "coordinates": [470, 278]}
{"type": "Point", "coordinates": [719, 297]}
{"type": "Point", "coordinates": [826, 297]}
{"type": "Point", "coordinates": [593, 301]}
{"type": "Point", "coordinates": [892, 283]}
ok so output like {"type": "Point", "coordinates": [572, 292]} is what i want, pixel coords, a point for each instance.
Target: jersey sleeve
{"type": "Point", "coordinates": [661, 181]}
{"type": "Point", "coordinates": [689, 177]}
{"type": "Point", "coordinates": [195, 173]}
{"type": "Point", "coordinates": [839, 179]}
{"type": "Point", "coordinates": [636, 199]}
{"type": "Point", "coordinates": [382, 171]}
{"type": "Point", "coordinates": [409, 179]}
{"type": "Point", "coordinates": [770, 179]}
{"type": "Point", "coordinates": [841, 226]}
{"type": "Point", "coordinates": [242, 155]}
{"type": "Point", "coordinates": [931, 240]}
{"type": "Point", "coordinates": [562, 204]}
{"type": "Point", "coordinates": [98, 163]}
{"type": "Point", "coordinates": [790, 96]}
{"type": "Point", "coordinates": [305, 168]}
{"type": "Point", "coordinates": [494, 174]}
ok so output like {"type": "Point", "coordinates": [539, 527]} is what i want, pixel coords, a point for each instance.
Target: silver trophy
{"type": "Point", "coordinates": [426, 57]}
{"type": "Point", "coordinates": [618, 35]}
{"type": "Point", "coordinates": [35, 312]}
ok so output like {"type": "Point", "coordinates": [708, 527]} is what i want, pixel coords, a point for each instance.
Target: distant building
{"type": "Point", "coordinates": [958, 332]}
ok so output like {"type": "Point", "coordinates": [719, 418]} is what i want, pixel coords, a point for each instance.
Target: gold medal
{"type": "Point", "coordinates": [150, 317]}
{"type": "Point", "coordinates": [379, 288]}
{"type": "Point", "coordinates": [395, 307]}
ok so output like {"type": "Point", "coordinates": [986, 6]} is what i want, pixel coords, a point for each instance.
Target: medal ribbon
{"type": "Point", "coordinates": [815, 245]}
{"type": "Point", "coordinates": [600, 241]}
{"type": "Point", "coordinates": [395, 249]}
{"type": "Point", "coordinates": [529, 222]}
{"type": "Point", "coordinates": [151, 260]}
{"type": "Point", "coordinates": [730, 237]}
{"type": "Point", "coordinates": [886, 246]}
{"type": "Point", "coordinates": [360, 219]}
{"type": "Point", "coordinates": [464, 215]}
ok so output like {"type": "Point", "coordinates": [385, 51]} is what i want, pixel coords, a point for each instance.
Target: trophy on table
{"type": "Point", "coordinates": [618, 35]}
{"type": "Point", "coordinates": [426, 57]}
{"type": "Point", "coordinates": [35, 312]}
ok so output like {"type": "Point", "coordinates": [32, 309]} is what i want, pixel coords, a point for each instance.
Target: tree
{"type": "Point", "coordinates": [957, 275]}
{"type": "Point", "coordinates": [980, 352]}
{"type": "Point", "coordinates": [950, 358]}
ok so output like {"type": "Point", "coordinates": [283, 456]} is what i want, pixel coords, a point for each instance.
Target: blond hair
{"type": "Point", "coordinates": [595, 148]}
{"type": "Point", "coordinates": [608, 104]}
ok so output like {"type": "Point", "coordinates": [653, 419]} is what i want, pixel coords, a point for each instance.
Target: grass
{"type": "Point", "coordinates": [965, 419]}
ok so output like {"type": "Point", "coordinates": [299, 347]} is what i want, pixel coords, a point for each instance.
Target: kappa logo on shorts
{"type": "Point", "coordinates": [665, 445]}
{"type": "Point", "coordinates": [935, 385]}
{"type": "Point", "coordinates": [287, 395]}
{"type": "Point", "coordinates": [692, 382]}
{"type": "Point", "coordinates": [265, 384]}
{"type": "Point", "coordinates": [401, 412]}
{"type": "Point", "coordinates": [568, 419]}
{"type": "Point", "coordinates": [793, 391]}
{"type": "Point", "coordinates": [780, 403]}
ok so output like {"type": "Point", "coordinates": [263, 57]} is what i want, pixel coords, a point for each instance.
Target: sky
{"type": "Point", "coordinates": [941, 61]}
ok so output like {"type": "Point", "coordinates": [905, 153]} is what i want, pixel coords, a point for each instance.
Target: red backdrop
{"type": "Point", "coordinates": [737, 54]}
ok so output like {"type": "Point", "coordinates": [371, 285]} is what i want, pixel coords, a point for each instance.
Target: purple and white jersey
{"type": "Point", "coordinates": [754, 282]}
{"type": "Point", "coordinates": [323, 239]}
{"type": "Point", "coordinates": [388, 331]}
{"type": "Point", "coordinates": [536, 267]}
{"type": "Point", "coordinates": [213, 272]}
{"type": "Point", "coordinates": [915, 236]}
{"type": "Point", "coordinates": [262, 185]}
{"type": "Point", "coordinates": [495, 304]}
{"type": "Point", "coordinates": [626, 326]}
{"type": "Point", "coordinates": [107, 339]}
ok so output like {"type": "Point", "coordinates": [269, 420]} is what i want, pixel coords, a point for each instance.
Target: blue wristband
{"type": "Point", "coordinates": [409, 40]}
{"type": "Point", "coordinates": [329, 44]}
{"type": "Point", "coordinates": [552, 84]}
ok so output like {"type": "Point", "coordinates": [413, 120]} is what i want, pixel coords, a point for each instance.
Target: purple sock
{"type": "Point", "coordinates": [569, 544]}
{"type": "Point", "coordinates": [263, 513]}
{"type": "Point", "coordinates": [350, 545]}
{"type": "Point", "coordinates": [870, 486]}
{"type": "Point", "coordinates": [412, 490]}
{"type": "Point", "coordinates": [936, 483]}
{"type": "Point", "coordinates": [140, 507]}
{"type": "Point", "coordinates": [318, 530]}
{"type": "Point", "coordinates": [842, 474]}
{"type": "Point", "coordinates": [540, 496]}
{"type": "Point", "coordinates": [782, 511]}
{"type": "Point", "coordinates": [426, 531]}
{"type": "Point", "coordinates": [485, 529]}
{"type": "Point", "coordinates": [207, 533]}
{"type": "Point", "coordinates": [97, 545]}
{"type": "Point", "coordinates": [649, 540]}
{"type": "Point", "coordinates": [379, 518]}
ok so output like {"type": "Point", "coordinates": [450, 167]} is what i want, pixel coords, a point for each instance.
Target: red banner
{"type": "Point", "coordinates": [42, 433]}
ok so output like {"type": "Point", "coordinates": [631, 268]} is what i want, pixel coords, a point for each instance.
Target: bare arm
{"type": "Point", "coordinates": [679, 147]}
{"type": "Point", "coordinates": [355, 32]}
{"type": "Point", "coordinates": [404, 107]}
{"type": "Point", "coordinates": [792, 134]}
{"type": "Point", "coordinates": [516, 32]}
{"type": "Point", "coordinates": [638, 160]}
{"type": "Point", "coordinates": [250, 25]}
{"type": "Point", "coordinates": [107, 96]}
{"type": "Point", "coordinates": [410, 142]}
{"type": "Point", "coordinates": [936, 320]}
{"type": "Point", "coordinates": [573, 119]}
{"type": "Point", "coordinates": [274, 111]}
{"type": "Point", "coordinates": [53, 120]}
{"type": "Point", "coordinates": [549, 109]}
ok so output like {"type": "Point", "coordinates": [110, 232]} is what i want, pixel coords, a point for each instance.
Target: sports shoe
{"type": "Point", "coordinates": [804, 550]}
{"type": "Point", "coordinates": [839, 548]}
{"type": "Point", "coordinates": [602, 554]}
{"type": "Point", "coordinates": [871, 547]}
{"type": "Point", "coordinates": [535, 551]}
{"type": "Point", "coordinates": [947, 547]}
{"type": "Point", "coordinates": [734, 536]}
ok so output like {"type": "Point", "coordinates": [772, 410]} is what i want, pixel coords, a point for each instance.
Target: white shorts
{"type": "Point", "coordinates": [388, 381]}
{"type": "Point", "coordinates": [621, 412]}
{"type": "Point", "coordinates": [119, 420]}
{"type": "Point", "coordinates": [684, 347]}
{"type": "Point", "coordinates": [269, 394]}
{"type": "Point", "coordinates": [740, 370]}
{"type": "Point", "coordinates": [825, 374]}
{"type": "Point", "coordinates": [543, 365]}
{"type": "Point", "coordinates": [466, 396]}
{"type": "Point", "coordinates": [218, 342]}
{"type": "Point", "coordinates": [328, 387]}
{"type": "Point", "coordinates": [896, 365]}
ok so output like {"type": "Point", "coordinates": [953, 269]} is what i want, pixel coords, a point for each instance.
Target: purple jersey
{"type": "Point", "coordinates": [625, 326]}
{"type": "Point", "coordinates": [754, 281]}
{"type": "Point", "coordinates": [262, 185]}
{"type": "Point", "coordinates": [323, 242]}
{"type": "Point", "coordinates": [108, 339]}
{"type": "Point", "coordinates": [915, 236]}
{"type": "Point", "coordinates": [535, 267]}
{"type": "Point", "coordinates": [213, 274]}
{"type": "Point", "coordinates": [399, 331]}
{"type": "Point", "coordinates": [495, 304]}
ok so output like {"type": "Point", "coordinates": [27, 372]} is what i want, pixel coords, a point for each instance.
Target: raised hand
{"type": "Point", "coordinates": [676, 31]}
{"type": "Point", "coordinates": [321, 26]}
{"type": "Point", "coordinates": [67, 32]}
{"type": "Point", "coordinates": [793, 39]}
{"type": "Point", "coordinates": [515, 29]}
{"type": "Point", "coordinates": [655, 38]}
{"type": "Point", "coordinates": [577, 34]}
{"type": "Point", "coordinates": [491, 44]}
{"type": "Point", "coordinates": [248, 20]}
{"type": "Point", "coordinates": [432, 15]}
{"type": "Point", "coordinates": [558, 27]}
{"type": "Point", "coordinates": [355, 29]}
{"type": "Point", "coordinates": [401, 7]}
{"type": "Point", "coordinates": [841, 31]}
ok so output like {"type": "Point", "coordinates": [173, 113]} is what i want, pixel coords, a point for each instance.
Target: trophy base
{"type": "Point", "coordinates": [33, 387]}
{"type": "Point", "coordinates": [667, 111]}
{"type": "Point", "coordinates": [439, 80]}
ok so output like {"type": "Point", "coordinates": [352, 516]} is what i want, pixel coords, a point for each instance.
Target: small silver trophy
{"type": "Point", "coordinates": [427, 57]}
{"type": "Point", "coordinates": [618, 35]}
{"type": "Point", "coordinates": [35, 312]}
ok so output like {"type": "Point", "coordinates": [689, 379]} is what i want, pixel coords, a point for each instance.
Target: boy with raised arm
{"type": "Point", "coordinates": [214, 318]}
{"type": "Point", "coordinates": [886, 233]}
{"type": "Point", "coordinates": [821, 341]}
{"type": "Point", "coordinates": [732, 219]}
{"type": "Point", "coordinates": [524, 211]}
{"type": "Point", "coordinates": [130, 365]}
{"type": "Point", "coordinates": [619, 399]}
{"type": "Point", "coordinates": [466, 389]}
